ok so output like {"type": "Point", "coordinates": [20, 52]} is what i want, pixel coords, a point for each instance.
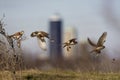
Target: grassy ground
{"type": "Point", "coordinates": [58, 75]}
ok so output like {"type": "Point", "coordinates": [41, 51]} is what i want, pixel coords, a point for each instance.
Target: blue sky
{"type": "Point", "coordinates": [85, 15]}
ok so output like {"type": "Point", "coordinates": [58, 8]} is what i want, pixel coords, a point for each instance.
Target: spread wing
{"type": "Point", "coordinates": [102, 39]}
{"type": "Point", "coordinates": [65, 44]}
{"type": "Point", "coordinates": [45, 34]}
{"type": "Point", "coordinates": [33, 34]}
{"type": "Point", "coordinates": [73, 41]}
{"type": "Point", "coordinates": [91, 43]}
{"type": "Point", "coordinates": [16, 35]}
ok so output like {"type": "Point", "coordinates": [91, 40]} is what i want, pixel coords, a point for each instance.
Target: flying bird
{"type": "Point", "coordinates": [99, 46]}
{"type": "Point", "coordinates": [69, 43]}
{"type": "Point", "coordinates": [41, 35]}
{"type": "Point", "coordinates": [18, 37]}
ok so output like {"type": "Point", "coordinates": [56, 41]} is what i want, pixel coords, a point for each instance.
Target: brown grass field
{"type": "Point", "coordinates": [58, 75]}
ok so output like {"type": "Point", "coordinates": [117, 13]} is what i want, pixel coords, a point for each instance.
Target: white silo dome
{"type": "Point", "coordinates": [55, 17]}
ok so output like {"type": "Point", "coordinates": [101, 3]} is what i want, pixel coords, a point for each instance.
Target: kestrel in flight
{"type": "Point", "coordinates": [41, 35]}
{"type": "Point", "coordinates": [99, 46]}
{"type": "Point", "coordinates": [18, 37]}
{"type": "Point", "coordinates": [69, 43]}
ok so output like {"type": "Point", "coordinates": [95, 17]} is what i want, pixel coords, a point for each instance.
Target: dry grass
{"type": "Point", "coordinates": [59, 75]}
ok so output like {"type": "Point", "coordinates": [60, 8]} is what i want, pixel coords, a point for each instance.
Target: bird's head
{"type": "Point", "coordinates": [103, 47]}
{"type": "Point", "coordinates": [22, 32]}
{"type": "Point", "coordinates": [34, 34]}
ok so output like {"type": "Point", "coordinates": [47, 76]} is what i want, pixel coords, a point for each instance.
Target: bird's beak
{"type": "Point", "coordinates": [32, 35]}
{"type": "Point", "coordinates": [22, 32]}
